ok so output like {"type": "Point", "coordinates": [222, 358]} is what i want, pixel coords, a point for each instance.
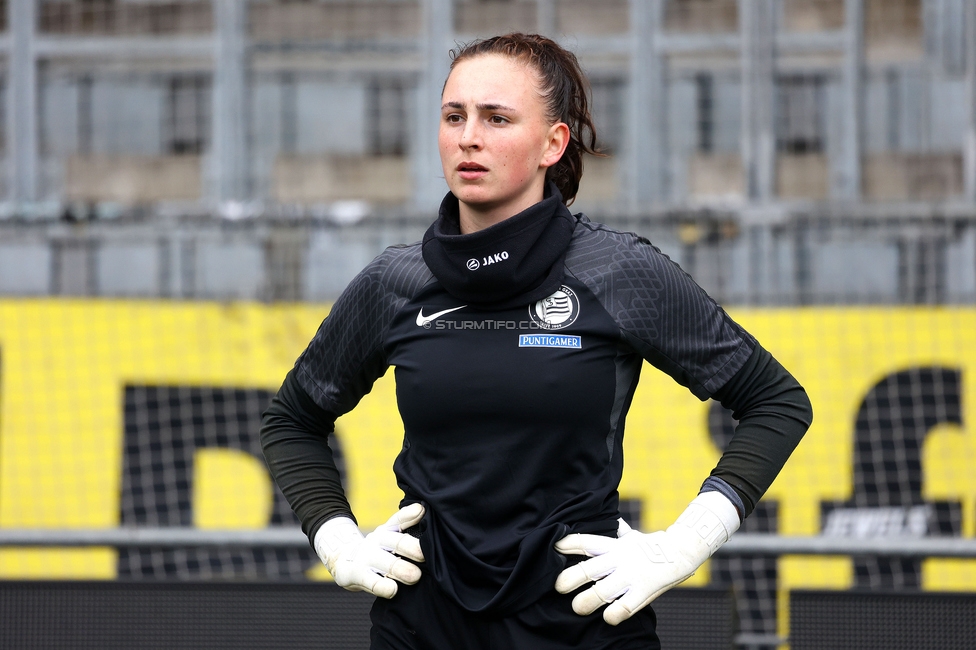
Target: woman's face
{"type": "Point", "coordinates": [495, 139]}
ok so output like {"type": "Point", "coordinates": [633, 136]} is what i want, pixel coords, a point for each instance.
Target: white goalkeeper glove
{"type": "Point", "coordinates": [370, 563]}
{"type": "Point", "coordinates": [635, 568]}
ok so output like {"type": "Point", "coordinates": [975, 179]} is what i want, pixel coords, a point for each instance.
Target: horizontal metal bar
{"type": "Point", "coordinates": [165, 536]}
{"type": "Point", "coordinates": [741, 544]}
{"type": "Point", "coordinates": [678, 43]}
{"type": "Point", "coordinates": [750, 639]}
{"type": "Point", "coordinates": [810, 42]}
{"type": "Point", "coordinates": [121, 47]}
{"type": "Point", "coordinates": [761, 544]}
{"type": "Point", "coordinates": [194, 46]}
{"type": "Point", "coordinates": [383, 46]}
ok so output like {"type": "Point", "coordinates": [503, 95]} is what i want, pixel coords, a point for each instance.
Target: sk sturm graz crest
{"type": "Point", "coordinates": [557, 311]}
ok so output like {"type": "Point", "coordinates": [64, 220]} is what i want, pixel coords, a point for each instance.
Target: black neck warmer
{"type": "Point", "coordinates": [515, 262]}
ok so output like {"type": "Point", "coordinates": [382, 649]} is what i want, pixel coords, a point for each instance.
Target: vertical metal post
{"type": "Point", "coordinates": [546, 17]}
{"type": "Point", "coordinates": [647, 102]}
{"type": "Point", "coordinates": [846, 179]}
{"type": "Point", "coordinates": [934, 30]}
{"type": "Point", "coordinates": [969, 145]}
{"type": "Point", "coordinates": [438, 31]}
{"type": "Point", "coordinates": [22, 136]}
{"type": "Point", "coordinates": [229, 128]}
{"type": "Point", "coordinates": [758, 140]}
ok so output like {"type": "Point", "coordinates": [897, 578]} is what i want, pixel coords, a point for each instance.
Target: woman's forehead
{"type": "Point", "coordinates": [491, 78]}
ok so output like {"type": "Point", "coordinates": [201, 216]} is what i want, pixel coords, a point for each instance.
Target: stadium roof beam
{"type": "Point", "coordinates": [644, 142]}
{"type": "Point", "coordinates": [668, 43]}
{"type": "Point", "coordinates": [845, 182]}
{"type": "Point", "coordinates": [969, 144]}
{"type": "Point", "coordinates": [810, 42]}
{"type": "Point", "coordinates": [758, 143]}
{"type": "Point", "coordinates": [22, 101]}
{"type": "Point", "coordinates": [673, 43]}
{"type": "Point", "coordinates": [438, 36]}
{"type": "Point", "coordinates": [124, 47]}
{"type": "Point", "coordinates": [229, 101]}
{"type": "Point", "coordinates": [545, 17]}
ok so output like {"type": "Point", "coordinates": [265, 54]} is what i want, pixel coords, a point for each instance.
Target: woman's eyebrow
{"type": "Point", "coordinates": [494, 107]}
{"type": "Point", "coordinates": [480, 107]}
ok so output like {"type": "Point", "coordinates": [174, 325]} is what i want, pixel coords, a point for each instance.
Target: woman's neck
{"type": "Point", "coordinates": [473, 218]}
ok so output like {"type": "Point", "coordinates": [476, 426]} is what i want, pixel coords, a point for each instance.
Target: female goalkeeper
{"type": "Point", "coordinates": [517, 331]}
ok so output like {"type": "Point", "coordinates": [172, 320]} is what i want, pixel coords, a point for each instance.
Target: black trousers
{"type": "Point", "coordinates": [420, 617]}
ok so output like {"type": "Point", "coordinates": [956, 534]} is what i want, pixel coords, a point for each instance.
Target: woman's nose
{"type": "Point", "coordinates": [470, 136]}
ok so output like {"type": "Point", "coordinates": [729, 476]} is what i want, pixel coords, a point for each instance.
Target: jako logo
{"type": "Point", "coordinates": [474, 264]}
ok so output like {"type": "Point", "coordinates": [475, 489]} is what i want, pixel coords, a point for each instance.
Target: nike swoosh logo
{"type": "Point", "coordinates": [424, 320]}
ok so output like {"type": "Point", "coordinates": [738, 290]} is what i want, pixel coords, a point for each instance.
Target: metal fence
{"type": "Point", "coordinates": [754, 258]}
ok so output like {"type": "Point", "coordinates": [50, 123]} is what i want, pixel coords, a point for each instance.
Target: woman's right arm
{"type": "Point", "coordinates": [295, 439]}
{"type": "Point", "coordinates": [294, 435]}
{"type": "Point", "coordinates": [337, 368]}
{"type": "Point", "coordinates": [334, 372]}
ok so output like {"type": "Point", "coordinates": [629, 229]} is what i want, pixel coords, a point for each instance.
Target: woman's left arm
{"type": "Point", "coordinates": [773, 413]}
{"type": "Point", "coordinates": [672, 323]}
{"type": "Point", "coordinates": [631, 571]}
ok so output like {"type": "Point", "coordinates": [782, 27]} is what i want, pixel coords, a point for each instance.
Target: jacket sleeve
{"type": "Point", "coordinates": [666, 318]}
{"type": "Point", "coordinates": [339, 366]}
{"type": "Point", "coordinates": [671, 322]}
{"type": "Point", "coordinates": [294, 436]}
{"type": "Point", "coordinates": [773, 413]}
{"type": "Point", "coordinates": [332, 375]}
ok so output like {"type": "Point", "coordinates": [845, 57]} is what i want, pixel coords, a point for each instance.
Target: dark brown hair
{"type": "Point", "coordinates": [564, 90]}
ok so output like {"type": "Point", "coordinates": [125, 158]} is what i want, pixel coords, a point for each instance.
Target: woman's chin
{"type": "Point", "coordinates": [476, 198]}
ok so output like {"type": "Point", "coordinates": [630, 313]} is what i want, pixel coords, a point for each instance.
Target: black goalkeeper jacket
{"type": "Point", "coordinates": [517, 350]}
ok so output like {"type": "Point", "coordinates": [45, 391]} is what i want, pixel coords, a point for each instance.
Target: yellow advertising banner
{"type": "Point", "coordinates": [891, 451]}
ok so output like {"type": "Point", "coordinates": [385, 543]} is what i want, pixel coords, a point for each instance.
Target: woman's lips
{"type": "Point", "coordinates": [470, 171]}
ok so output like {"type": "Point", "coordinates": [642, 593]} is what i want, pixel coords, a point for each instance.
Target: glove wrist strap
{"type": "Point", "coordinates": [334, 535]}
{"type": "Point", "coordinates": [712, 518]}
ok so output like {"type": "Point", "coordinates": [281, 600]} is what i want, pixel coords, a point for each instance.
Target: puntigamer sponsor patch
{"type": "Point", "coordinates": [549, 341]}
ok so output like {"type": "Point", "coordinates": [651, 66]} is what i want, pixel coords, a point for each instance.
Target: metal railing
{"type": "Point", "coordinates": [793, 257]}
{"type": "Point", "coordinates": [293, 537]}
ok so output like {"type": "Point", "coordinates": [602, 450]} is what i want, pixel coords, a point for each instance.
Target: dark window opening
{"type": "Point", "coordinates": [187, 118]}
{"type": "Point", "coordinates": [800, 116]}
{"type": "Point", "coordinates": [606, 107]}
{"type": "Point", "coordinates": [705, 110]}
{"type": "Point", "coordinates": [387, 117]}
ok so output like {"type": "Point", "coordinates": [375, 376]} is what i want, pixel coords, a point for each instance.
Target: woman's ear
{"type": "Point", "coordinates": [556, 142]}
